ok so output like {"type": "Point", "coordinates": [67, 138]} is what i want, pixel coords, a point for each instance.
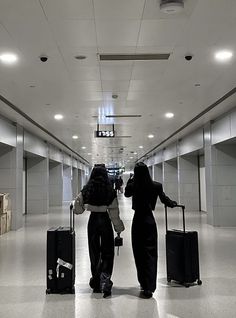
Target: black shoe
{"type": "Point", "coordinates": [106, 294]}
{"type": "Point", "coordinates": [105, 285]}
{"type": "Point", "coordinates": [146, 293]}
{"type": "Point", "coordinates": [95, 285]}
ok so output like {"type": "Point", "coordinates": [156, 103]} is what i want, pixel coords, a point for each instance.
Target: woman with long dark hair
{"type": "Point", "coordinates": [144, 192]}
{"type": "Point", "coordinates": [100, 198]}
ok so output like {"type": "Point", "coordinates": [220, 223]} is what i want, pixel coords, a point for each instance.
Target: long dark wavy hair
{"type": "Point", "coordinates": [143, 184]}
{"type": "Point", "coordinates": [98, 191]}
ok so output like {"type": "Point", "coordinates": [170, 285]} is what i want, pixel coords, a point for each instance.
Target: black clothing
{"type": "Point", "coordinates": [144, 244]}
{"type": "Point", "coordinates": [144, 231]}
{"type": "Point", "coordinates": [97, 193]}
{"type": "Point", "coordinates": [149, 201]}
{"type": "Point", "coordinates": [101, 247]}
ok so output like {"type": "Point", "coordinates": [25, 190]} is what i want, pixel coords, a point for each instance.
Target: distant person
{"type": "Point", "coordinates": [144, 192]}
{"type": "Point", "coordinates": [100, 198]}
{"type": "Point", "coordinates": [118, 185]}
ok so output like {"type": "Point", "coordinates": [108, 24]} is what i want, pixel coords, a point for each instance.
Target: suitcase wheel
{"type": "Point", "coordinates": [73, 290]}
{"type": "Point", "coordinates": [48, 291]}
{"type": "Point", "coordinates": [199, 282]}
{"type": "Point", "coordinates": [168, 279]}
{"type": "Point", "coordinates": [187, 285]}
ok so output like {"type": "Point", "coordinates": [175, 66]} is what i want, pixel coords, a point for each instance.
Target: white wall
{"type": "Point", "coordinates": [67, 183]}
{"type": "Point", "coordinates": [37, 185]}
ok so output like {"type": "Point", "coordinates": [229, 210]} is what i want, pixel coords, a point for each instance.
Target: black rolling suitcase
{"type": "Point", "coordinates": [182, 256]}
{"type": "Point", "coordinates": [61, 258]}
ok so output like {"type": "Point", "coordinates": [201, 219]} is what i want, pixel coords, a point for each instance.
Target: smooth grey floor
{"type": "Point", "coordinates": [22, 273]}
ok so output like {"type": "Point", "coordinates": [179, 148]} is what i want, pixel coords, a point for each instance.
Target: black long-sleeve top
{"type": "Point", "coordinates": [139, 202]}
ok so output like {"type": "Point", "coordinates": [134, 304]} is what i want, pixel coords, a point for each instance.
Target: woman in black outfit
{"type": "Point", "coordinates": [100, 198]}
{"type": "Point", "coordinates": [144, 192]}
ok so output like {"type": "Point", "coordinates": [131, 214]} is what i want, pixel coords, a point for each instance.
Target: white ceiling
{"type": "Point", "coordinates": [82, 89]}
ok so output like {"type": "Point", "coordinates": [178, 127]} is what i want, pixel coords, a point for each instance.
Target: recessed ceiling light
{"type": "Point", "coordinates": [223, 56]}
{"type": "Point", "coordinates": [171, 6]}
{"type": "Point", "coordinates": [83, 147]}
{"type": "Point", "coordinates": [114, 96]}
{"type": "Point", "coordinates": [169, 115]}
{"type": "Point", "coordinates": [89, 153]}
{"type": "Point", "coordinates": [80, 57]}
{"type": "Point", "coordinates": [32, 86]}
{"type": "Point", "coordinates": [141, 147]}
{"type": "Point", "coordinates": [58, 116]}
{"type": "Point", "coordinates": [131, 157]}
{"type": "Point", "coordinates": [135, 153]}
{"type": "Point", "coordinates": [75, 137]}
{"type": "Point", "coordinates": [150, 136]}
{"type": "Point", "coordinates": [197, 85]}
{"type": "Point", "coordinates": [8, 58]}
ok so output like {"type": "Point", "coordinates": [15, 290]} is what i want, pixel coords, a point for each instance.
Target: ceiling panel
{"type": "Point", "coordinates": [117, 32]}
{"type": "Point", "coordinates": [116, 73]}
{"type": "Point", "coordinates": [72, 32]}
{"type": "Point", "coordinates": [161, 32]}
{"type": "Point", "coordinates": [71, 9]}
{"type": "Point", "coordinates": [122, 9]}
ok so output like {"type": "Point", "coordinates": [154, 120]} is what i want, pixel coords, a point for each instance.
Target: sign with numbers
{"type": "Point", "coordinates": [104, 133]}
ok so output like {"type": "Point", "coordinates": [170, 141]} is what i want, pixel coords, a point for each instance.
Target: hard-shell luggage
{"type": "Point", "coordinates": [182, 255]}
{"type": "Point", "coordinates": [61, 258]}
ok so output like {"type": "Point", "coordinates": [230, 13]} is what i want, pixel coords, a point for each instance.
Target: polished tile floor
{"type": "Point", "coordinates": [22, 273]}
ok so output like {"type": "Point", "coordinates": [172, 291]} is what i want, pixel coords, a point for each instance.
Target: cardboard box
{"type": "Point", "coordinates": [3, 223]}
{"type": "Point", "coordinates": [4, 202]}
{"type": "Point", "coordinates": [8, 215]}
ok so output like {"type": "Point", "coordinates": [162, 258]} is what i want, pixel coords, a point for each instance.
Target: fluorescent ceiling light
{"type": "Point", "coordinates": [58, 116]}
{"type": "Point", "coordinates": [8, 58]}
{"type": "Point", "coordinates": [150, 136]}
{"type": "Point", "coordinates": [223, 55]}
{"type": "Point", "coordinates": [75, 137]}
{"type": "Point", "coordinates": [169, 115]}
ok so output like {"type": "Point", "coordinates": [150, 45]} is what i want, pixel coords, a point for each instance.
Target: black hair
{"type": "Point", "coordinates": [143, 184]}
{"type": "Point", "coordinates": [98, 191]}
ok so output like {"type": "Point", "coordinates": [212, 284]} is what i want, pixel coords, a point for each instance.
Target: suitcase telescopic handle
{"type": "Point", "coordinates": [183, 210]}
{"type": "Point", "coordinates": [72, 218]}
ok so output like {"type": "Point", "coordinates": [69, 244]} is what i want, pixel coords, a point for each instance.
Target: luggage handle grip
{"type": "Point", "coordinates": [72, 217]}
{"type": "Point", "coordinates": [176, 206]}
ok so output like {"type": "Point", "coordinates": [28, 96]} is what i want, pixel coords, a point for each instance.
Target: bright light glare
{"type": "Point", "coordinates": [83, 147]}
{"type": "Point", "coordinates": [169, 115]}
{"type": "Point", "coordinates": [223, 56]}
{"type": "Point", "coordinates": [8, 58]}
{"type": "Point", "coordinates": [58, 116]}
{"type": "Point", "coordinates": [75, 137]}
{"type": "Point", "coordinates": [140, 147]}
{"type": "Point", "coordinates": [150, 136]}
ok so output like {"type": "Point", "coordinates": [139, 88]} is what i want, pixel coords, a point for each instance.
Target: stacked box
{"type": "Point", "coordinates": [4, 202]}
{"type": "Point", "coordinates": [3, 223]}
{"type": "Point", "coordinates": [5, 213]}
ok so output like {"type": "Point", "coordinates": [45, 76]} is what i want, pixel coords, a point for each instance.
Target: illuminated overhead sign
{"type": "Point", "coordinates": [105, 133]}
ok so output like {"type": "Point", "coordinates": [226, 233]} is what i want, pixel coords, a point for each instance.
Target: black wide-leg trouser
{"type": "Point", "coordinates": [101, 245]}
{"type": "Point", "coordinates": [144, 243]}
